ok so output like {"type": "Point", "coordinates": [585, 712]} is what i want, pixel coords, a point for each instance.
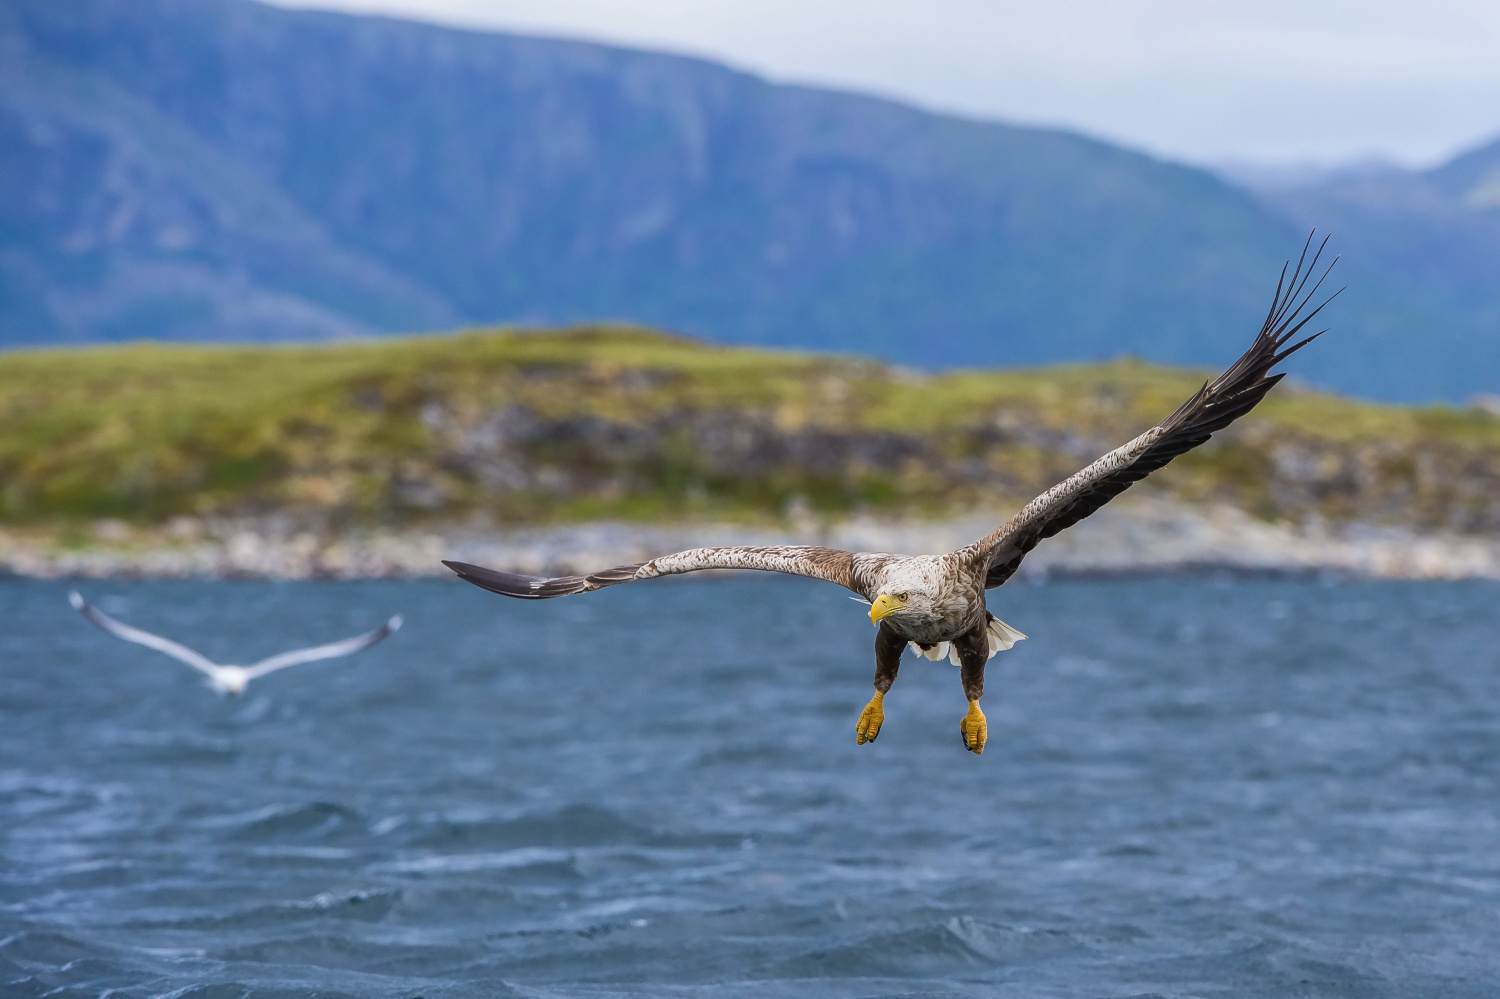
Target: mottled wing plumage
{"type": "Point", "coordinates": [858, 572]}
{"type": "Point", "coordinates": [1216, 405]}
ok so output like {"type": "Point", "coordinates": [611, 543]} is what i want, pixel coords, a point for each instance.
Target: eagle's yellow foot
{"type": "Point", "coordinates": [974, 729]}
{"type": "Point", "coordinates": [870, 720]}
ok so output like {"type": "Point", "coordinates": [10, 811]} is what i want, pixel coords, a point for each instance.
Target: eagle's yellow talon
{"type": "Point", "coordinates": [870, 720]}
{"type": "Point", "coordinates": [974, 729]}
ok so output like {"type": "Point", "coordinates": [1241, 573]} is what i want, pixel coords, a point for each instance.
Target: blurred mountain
{"type": "Point", "coordinates": [1273, 177]}
{"type": "Point", "coordinates": [219, 169]}
{"type": "Point", "coordinates": [1429, 244]}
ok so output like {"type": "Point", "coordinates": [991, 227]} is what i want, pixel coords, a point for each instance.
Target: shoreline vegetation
{"type": "Point", "coordinates": [582, 448]}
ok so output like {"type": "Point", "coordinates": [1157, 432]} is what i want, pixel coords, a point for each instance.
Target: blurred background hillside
{"type": "Point", "coordinates": [910, 314]}
{"type": "Point", "coordinates": [216, 170]}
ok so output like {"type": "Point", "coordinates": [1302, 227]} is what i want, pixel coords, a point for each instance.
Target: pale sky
{"type": "Point", "coordinates": [1207, 81]}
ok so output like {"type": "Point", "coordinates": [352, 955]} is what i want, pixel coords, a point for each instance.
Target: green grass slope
{"type": "Point", "coordinates": [528, 427]}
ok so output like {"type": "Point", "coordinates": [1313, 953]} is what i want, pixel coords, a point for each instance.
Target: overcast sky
{"type": "Point", "coordinates": [1260, 81]}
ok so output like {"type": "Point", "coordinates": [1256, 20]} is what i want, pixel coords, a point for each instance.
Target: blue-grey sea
{"type": "Point", "coordinates": [1193, 787]}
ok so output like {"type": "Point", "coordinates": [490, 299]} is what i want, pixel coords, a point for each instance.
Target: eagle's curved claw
{"type": "Point", "coordinates": [870, 720]}
{"type": "Point", "coordinates": [974, 729]}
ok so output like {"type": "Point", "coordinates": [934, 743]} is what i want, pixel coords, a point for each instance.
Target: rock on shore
{"type": "Point", "coordinates": [1145, 535]}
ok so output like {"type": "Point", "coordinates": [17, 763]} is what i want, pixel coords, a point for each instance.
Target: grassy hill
{"type": "Point", "coordinates": [523, 428]}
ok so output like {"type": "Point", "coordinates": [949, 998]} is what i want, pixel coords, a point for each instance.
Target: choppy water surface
{"type": "Point", "coordinates": [1248, 788]}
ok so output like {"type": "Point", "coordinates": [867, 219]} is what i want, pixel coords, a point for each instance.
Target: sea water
{"type": "Point", "coordinates": [1193, 786]}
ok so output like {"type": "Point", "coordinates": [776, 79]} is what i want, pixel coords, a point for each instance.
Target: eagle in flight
{"type": "Point", "coordinates": [935, 603]}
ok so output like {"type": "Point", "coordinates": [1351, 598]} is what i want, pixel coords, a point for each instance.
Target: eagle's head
{"type": "Point", "coordinates": [909, 597]}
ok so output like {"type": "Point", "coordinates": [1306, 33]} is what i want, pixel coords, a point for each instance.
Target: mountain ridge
{"type": "Point", "coordinates": [431, 177]}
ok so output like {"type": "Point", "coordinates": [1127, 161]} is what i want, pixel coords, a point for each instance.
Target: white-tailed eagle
{"type": "Point", "coordinates": [935, 603]}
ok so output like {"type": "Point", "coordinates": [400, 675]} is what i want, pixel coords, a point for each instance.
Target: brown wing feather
{"type": "Point", "coordinates": [1216, 405]}
{"type": "Point", "coordinates": [858, 572]}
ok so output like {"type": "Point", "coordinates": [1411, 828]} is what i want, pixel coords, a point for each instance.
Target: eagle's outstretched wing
{"type": "Point", "coordinates": [333, 650]}
{"type": "Point", "coordinates": [856, 571]}
{"type": "Point", "coordinates": [1212, 408]}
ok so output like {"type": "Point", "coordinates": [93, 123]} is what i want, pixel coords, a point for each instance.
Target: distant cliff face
{"type": "Point", "coordinates": [217, 169]}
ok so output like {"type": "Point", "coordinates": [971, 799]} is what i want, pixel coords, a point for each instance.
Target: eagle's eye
{"type": "Point", "coordinates": [903, 597]}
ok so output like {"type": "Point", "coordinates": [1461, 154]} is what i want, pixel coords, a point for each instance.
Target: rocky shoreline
{"type": "Point", "coordinates": [1148, 535]}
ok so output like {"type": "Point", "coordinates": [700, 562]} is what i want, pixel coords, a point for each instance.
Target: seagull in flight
{"type": "Point", "coordinates": [226, 679]}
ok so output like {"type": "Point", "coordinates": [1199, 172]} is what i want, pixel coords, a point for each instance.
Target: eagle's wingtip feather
{"type": "Point", "coordinates": [507, 584]}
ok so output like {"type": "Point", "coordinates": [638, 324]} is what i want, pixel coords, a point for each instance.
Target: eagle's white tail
{"type": "Point", "coordinates": [1002, 636]}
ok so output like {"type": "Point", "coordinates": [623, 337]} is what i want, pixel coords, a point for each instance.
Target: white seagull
{"type": "Point", "coordinates": [232, 679]}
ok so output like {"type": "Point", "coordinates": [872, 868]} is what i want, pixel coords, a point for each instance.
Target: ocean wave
{"type": "Point", "coordinates": [313, 820]}
{"type": "Point", "coordinates": [169, 748]}
{"type": "Point", "coordinates": [573, 825]}
{"type": "Point", "coordinates": [933, 950]}
{"type": "Point", "coordinates": [363, 905]}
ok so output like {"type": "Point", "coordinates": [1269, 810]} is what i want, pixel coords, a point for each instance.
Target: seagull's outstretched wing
{"type": "Point", "coordinates": [177, 651]}
{"type": "Point", "coordinates": [1216, 405]}
{"type": "Point", "coordinates": [333, 650]}
{"type": "Point", "coordinates": [857, 571]}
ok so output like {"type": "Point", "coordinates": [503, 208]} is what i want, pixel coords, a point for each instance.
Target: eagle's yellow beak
{"type": "Point", "coordinates": [883, 606]}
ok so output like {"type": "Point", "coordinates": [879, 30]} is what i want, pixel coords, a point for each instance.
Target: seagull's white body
{"type": "Point", "coordinates": [221, 677]}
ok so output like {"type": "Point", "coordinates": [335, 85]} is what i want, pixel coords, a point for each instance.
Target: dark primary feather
{"type": "Point", "coordinates": [1212, 408]}
{"type": "Point", "coordinates": [537, 587]}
